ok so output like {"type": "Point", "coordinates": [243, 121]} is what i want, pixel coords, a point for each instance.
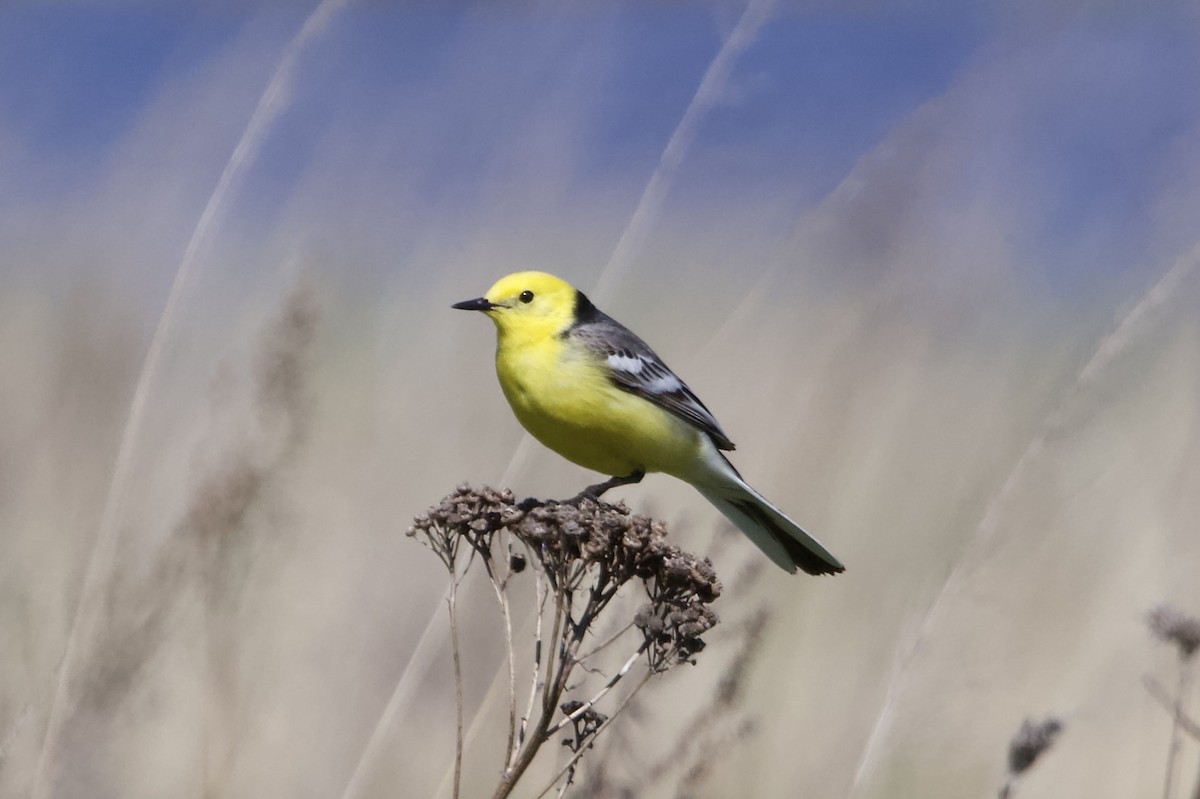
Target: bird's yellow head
{"type": "Point", "coordinates": [528, 305]}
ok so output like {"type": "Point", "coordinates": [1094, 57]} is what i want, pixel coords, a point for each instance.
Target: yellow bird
{"type": "Point", "coordinates": [595, 393]}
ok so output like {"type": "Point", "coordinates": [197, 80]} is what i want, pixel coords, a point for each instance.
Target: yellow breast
{"type": "Point", "coordinates": [563, 396]}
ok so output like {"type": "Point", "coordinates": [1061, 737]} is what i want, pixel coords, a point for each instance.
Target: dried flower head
{"type": "Point", "coordinates": [1175, 627]}
{"type": "Point", "coordinates": [1030, 742]}
{"type": "Point", "coordinates": [574, 539]}
{"type": "Point", "coordinates": [464, 515]}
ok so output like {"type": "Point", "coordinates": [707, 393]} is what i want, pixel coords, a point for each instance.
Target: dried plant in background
{"type": "Point", "coordinates": [1030, 743]}
{"type": "Point", "coordinates": [580, 553]}
{"type": "Point", "coordinates": [1175, 627]}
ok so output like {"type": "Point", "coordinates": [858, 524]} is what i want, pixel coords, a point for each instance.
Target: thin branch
{"type": "Point", "coordinates": [568, 635]}
{"type": "Point", "coordinates": [1173, 752]}
{"type": "Point", "coordinates": [501, 588]}
{"type": "Point", "coordinates": [612, 639]}
{"type": "Point", "coordinates": [575, 757]}
{"type": "Point", "coordinates": [616, 678]}
{"type": "Point", "coordinates": [1196, 789]}
{"type": "Point", "coordinates": [458, 685]}
{"type": "Point", "coordinates": [551, 693]}
{"type": "Point", "coordinates": [1163, 697]}
{"type": "Point", "coordinates": [560, 610]}
{"type": "Point", "coordinates": [562, 789]}
{"type": "Point", "coordinates": [530, 749]}
{"type": "Point", "coordinates": [538, 645]}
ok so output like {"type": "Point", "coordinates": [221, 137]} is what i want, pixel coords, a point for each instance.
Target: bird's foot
{"type": "Point", "coordinates": [593, 492]}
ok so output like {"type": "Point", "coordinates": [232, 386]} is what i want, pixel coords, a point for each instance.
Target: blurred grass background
{"type": "Point", "coordinates": [900, 350]}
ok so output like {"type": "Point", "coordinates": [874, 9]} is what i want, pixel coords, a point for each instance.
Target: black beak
{"type": "Point", "coordinates": [481, 304]}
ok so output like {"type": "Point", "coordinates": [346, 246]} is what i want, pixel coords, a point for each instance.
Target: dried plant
{"type": "Point", "coordinates": [581, 554]}
{"type": "Point", "coordinates": [1175, 627]}
{"type": "Point", "coordinates": [1030, 743]}
{"type": "Point", "coordinates": [719, 724]}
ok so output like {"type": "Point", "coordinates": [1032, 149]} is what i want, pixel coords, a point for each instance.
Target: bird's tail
{"type": "Point", "coordinates": [783, 541]}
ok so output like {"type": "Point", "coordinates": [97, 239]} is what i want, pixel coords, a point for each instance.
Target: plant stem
{"type": "Point", "coordinates": [551, 693]}
{"type": "Point", "coordinates": [458, 693]}
{"type": "Point", "coordinates": [611, 639]}
{"type": "Point", "coordinates": [501, 588]}
{"type": "Point", "coordinates": [534, 742]}
{"type": "Point", "coordinates": [538, 646]}
{"type": "Point", "coordinates": [1163, 697]}
{"type": "Point", "coordinates": [616, 678]}
{"type": "Point", "coordinates": [1173, 751]}
{"type": "Point", "coordinates": [575, 757]}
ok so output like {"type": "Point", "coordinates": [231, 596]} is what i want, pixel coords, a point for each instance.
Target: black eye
{"type": "Point", "coordinates": [526, 296]}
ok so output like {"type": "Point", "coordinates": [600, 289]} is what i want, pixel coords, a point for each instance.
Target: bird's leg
{"type": "Point", "coordinates": [594, 491]}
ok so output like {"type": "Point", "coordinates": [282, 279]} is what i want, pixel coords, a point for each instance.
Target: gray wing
{"type": "Point", "coordinates": [636, 368]}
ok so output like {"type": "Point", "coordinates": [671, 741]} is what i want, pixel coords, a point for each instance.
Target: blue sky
{"type": "Point", "coordinates": [455, 116]}
{"type": "Point", "coordinates": [76, 77]}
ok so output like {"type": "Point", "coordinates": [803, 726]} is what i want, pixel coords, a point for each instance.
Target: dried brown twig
{"type": "Point", "coordinates": [582, 554]}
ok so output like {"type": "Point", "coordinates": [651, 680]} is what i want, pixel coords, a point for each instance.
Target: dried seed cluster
{"type": "Point", "coordinates": [1030, 742]}
{"type": "Point", "coordinates": [585, 724]}
{"type": "Point", "coordinates": [588, 549]}
{"type": "Point", "coordinates": [1176, 627]}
